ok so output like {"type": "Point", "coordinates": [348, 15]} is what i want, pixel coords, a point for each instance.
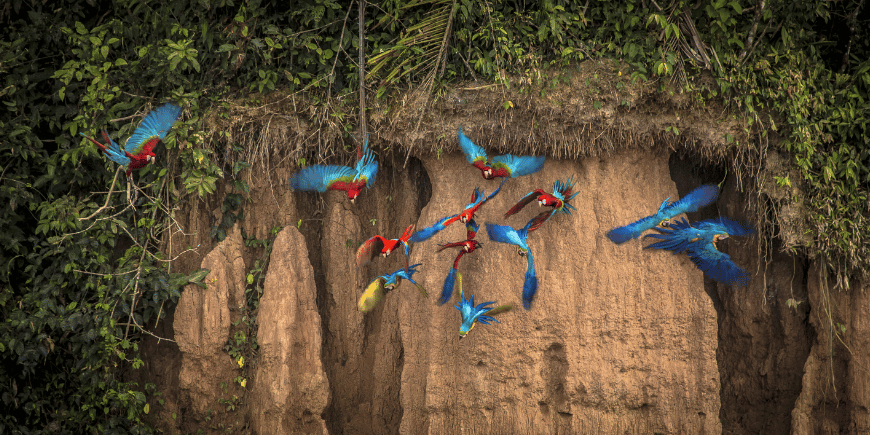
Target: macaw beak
{"type": "Point", "coordinates": [461, 336]}
{"type": "Point", "coordinates": [351, 200]}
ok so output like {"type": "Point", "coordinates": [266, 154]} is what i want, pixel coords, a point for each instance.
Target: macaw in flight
{"type": "Point", "coordinates": [518, 238]}
{"type": "Point", "coordinates": [558, 200]}
{"type": "Point", "coordinates": [467, 215]}
{"type": "Point", "coordinates": [138, 151]}
{"type": "Point", "coordinates": [336, 177]}
{"type": "Point", "coordinates": [698, 241]}
{"type": "Point", "coordinates": [379, 245]}
{"type": "Point", "coordinates": [467, 246]}
{"type": "Point", "coordinates": [383, 284]}
{"type": "Point", "coordinates": [502, 166]}
{"type": "Point", "coordinates": [696, 199]}
{"type": "Point", "coordinates": [471, 314]}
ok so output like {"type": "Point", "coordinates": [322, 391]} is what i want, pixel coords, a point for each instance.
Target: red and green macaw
{"type": "Point", "coordinates": [379, 245]}
{"type": "Point", "coordinates": [383, 284]}
{"type": "Point", "coordinates": [472, 314]}
{"type": "Point", "coordinates": [477, 200]}
{"type": "Point", "coordinates": [696, 199]}
{"type": "Point", "coordinates": [467, 246]}
{"type": "Point", "coordinates": [698, 241]}
{"type": "Point", "coordinates": [138, 151]}
{"type": "Point", "coordinates": [518, 238]}
{"type": "Point", "coordinates": [507, 166]}
{"type": "Point", "coordinates": [335, 177]}
{"type": "Point", "coordinates": [558, 200]}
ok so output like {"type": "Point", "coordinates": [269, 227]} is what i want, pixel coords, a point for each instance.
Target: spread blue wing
{"type": "Point", "coordinates": [472, 151]}
{"type": "Point", "coordinates": [426, 233]}
{"type": "Point", "coordinates": [530, 285]}
{"type": "Point", "coordinates": [155, 125]}
{"type": "Point", "coordinates": [718, 266]}
{"type": "Point", "coordinates": [518, 166]}
{"type": "Point", "coordinates": [320, 177]}
{"type": "Point", "coordinates": [367, 167]}
{"type": "Point", "coordinates": [696, 199]}
{"type": "Point", "coordinates": [679, 237]}
{"type": "Point", "coordinates": [633, 230]}
{"type": "Point", "coordinates": [726, 225]}
{"type": "Point", "coordinates": [505, 234]}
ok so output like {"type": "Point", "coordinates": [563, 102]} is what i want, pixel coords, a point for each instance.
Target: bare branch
{"type": "Point", "coordinates": [852, 20]}
{"type": "Point", "coordinates": [750, 37]}
{"type": "Point", "coordinates": [362, 70]}
{"type": "Point", "coordinates": [108, 197]}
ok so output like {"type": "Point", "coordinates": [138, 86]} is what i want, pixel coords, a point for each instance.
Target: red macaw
{"type": "Point", "coordinates": [477, 200]}
{"type": "Point", "coordinates": [502, 166]}
{"type": "Point", "coordinates": [379, 245]}
{"type": "Point", "coordinates": [139, 149]}
{"type": "Point", "coordinates": [335, 177]}
{"type": "Point", "coordinates": [558, 200]}
{"type": "Point", "coordinates": [467, 246]}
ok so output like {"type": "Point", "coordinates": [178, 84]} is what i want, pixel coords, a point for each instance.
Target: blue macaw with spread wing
{"type": "Point", "coordinates": [698, 241]}
{"type": "Point", "coordinates": [467, 246]}
{"type": "Point", "coordinates": [501, 166]}
{"type": "Point", "coordinates": [383, 284]}
{"type": "Point", "coordinates": [471, 314]}
{"type": "Point", "coordinates": [511, 236]}
{"type": "Point", "coordinates": [138, 151]}
{"type": "Point", "coordinates": [478, 198]}
{"type": "Point", "coordinates": [558, 200]}
{"type": "Point", "coordinates": [696, 199]}
{"type": "Point", "coordinates": [336, 177]}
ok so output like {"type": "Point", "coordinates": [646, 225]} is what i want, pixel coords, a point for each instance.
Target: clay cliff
{"type": "Point", "coordinates": [619, 339]}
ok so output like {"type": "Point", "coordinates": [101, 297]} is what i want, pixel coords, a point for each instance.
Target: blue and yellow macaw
{"type": "Point", "coordinates": [506, 234]}
{"type": "Point", "coordinates": [698, 241]}
{"type": "Point", "coordinates": [558, 200]}
{"type": "Point", "coordinates": [139, 149]}
{"type": "Point", "coordinates": [335, 177]}
{"type": "Point", "coordinates": [478, 198]}
{"type": "Point", "coordinates": [467, 246]}
{"type": "Point", "coordinates": [502, 166]}
{"type": "Point", "coordinates": [383, 284]}
{"type": "Point", "coordinates": [471, 314]}
{"type": "Point", "coordinates": [696, 199]}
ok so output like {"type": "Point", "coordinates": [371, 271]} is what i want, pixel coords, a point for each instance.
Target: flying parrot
{"type": "Point", "coordinates": [477, 200]}
{"type": "Point", "coordinates": [558, 200]}
{"type": "Point", "coordinates": [471, 314]}
{"type": "Point", "coordinates": [383, 284]}
{"type": "Point", "coordinates": [138, 151]}
{"type": "Point", "coordinates": [335, 177]}
{"type": "Point", "coordinates": [467, 246]}
{"type": "Point", "coordinates": [379, 245]}
{"type": "Point", "coordinates": [506, 234]}
{"type": "Point", "coordinates": [696, 199]}
{"type": "Point", "coordinates": [698, 241]}
{"type": "Point", "coordinates": [501, 166]}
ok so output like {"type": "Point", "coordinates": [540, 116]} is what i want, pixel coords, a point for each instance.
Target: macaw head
{"type": "Point", "coordinates": [549, 201]}
{"type": "Point", "coordinates": [471, 245]}
{"type": "Point", "coordinates": [487, 173]}
{"type": "Point", "coordinates": [719, 237]}
{"type": "Point", "coordinates": [665, 223]}
{"type": "Point", "coordinates": [522, 252]}
{"type": "Point", "coordinates": [353, 193]}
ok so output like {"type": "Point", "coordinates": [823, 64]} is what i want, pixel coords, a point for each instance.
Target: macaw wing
{"type": "Point", "coordinates": [727, 225]}
{"type": "Point", "coordinates": [542, 217]}
{"type": "Point", "coordinates": [677, 238]}
{"type": "Point", "coordinates": [372, 295]}
{"type": "Point", "coordinates": [633, 230]}
{"type": "Point", "coordinates": [153, 128]}
{"type": "Point", "coordinates": [428, 232]}
{"type": "Point", "coordinates": [518, 166]}
{"type": "Point", "coordinates": [367, 169]}
{"type": "Point", "coordinates": [505, 234]}
{"type": "Point", "coordinates": [471, 228]}
{"type": "Point", "coordinates": [111, 150]}
{"type": "Point", "coordinates": [718, 266]}
{"type": "Point", "coordinates": [696, 199]}
{"type": "Point", "coordinates": [320, 177]}
{"type": "Point", "coordinates": [530, 285]}
{"type": "Point", "coordinates": [524, 202]}
{"type": "Point", "coordinates": [447, 290]}
{"type": "Point", "coordinates": [369, 250]}
{"type": "Point", "coordinates": [472, 151]}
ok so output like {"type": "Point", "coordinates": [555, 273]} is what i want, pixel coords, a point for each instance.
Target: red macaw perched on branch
{"type": "Point", "coordinates": [379, 245]}
{"type": "Point", "coordinates": [502, 166]}
{"type": "Point", "coordinates": [335, 177]}
{"type": "Point", "coordinates": [139, 149]}
{"type": "Point", "coordinates": [696, 199]}
{"type": "Point", "coordinates": [467, 246]}
{"type": "Point", "coordinates": [558, 200]}
{"type": "Point", "coordinates": [477, 200]}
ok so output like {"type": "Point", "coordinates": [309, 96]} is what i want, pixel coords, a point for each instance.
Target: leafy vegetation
{"type": "Point", "coordinates": [82, 274]}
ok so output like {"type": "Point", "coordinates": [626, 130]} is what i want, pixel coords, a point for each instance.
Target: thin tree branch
{"type": "Point", "coordinates": [853, 18]}
{"type": "Point", "coordinates": [750, 37]}
{"type": "Point", "coordinates": [362, 70]}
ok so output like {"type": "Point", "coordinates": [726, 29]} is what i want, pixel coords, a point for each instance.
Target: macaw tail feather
{"type": "Point", "coordinates": [530, 286]}
{"type": "Point", "coordinates": [500, 309]}
{"type": "Point", "coordinates": [156, 124]}
{"type": "Point", "coordinates": [370, 298]}
{"type": "Point", "coordinates": [447, 291]}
